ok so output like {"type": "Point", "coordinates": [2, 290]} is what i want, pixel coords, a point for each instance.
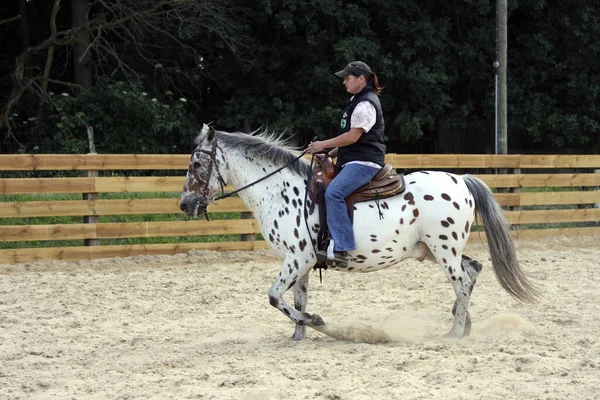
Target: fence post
{"type": "Point", "coordinates": [516, 190]}
{"type": "Point", "coordinates": [247, 237]}
{"type": "Point", "coordinates": [91, 219]}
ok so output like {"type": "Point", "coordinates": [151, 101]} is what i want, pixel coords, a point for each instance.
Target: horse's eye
{"type": "Point", "coordinates": [196, 164]}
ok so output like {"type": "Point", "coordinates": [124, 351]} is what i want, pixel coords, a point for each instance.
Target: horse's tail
{"type": "Point", "coordinates": [502, 249]}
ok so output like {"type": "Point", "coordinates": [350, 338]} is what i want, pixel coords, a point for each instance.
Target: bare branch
{"type": "Point", "coordinates": [50, 58]}
{"type": "Point", "coordinates": [123, 32]}
{"type": "Point", "coordinates": [9, 20]}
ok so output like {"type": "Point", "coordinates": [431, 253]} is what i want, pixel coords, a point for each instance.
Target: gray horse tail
{"type": "Point", "coordinates": [502, 249]}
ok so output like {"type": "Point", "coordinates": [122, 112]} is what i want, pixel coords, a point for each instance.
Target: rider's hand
{"type": "Point", "coordinates": [315, 147]}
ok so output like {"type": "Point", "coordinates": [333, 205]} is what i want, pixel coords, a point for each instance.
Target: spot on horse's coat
{"type": "Point", "coordinates": [454, 235]}
{"type": "Point", "coordinates": [446, 197]}
{"type": "Point", "coordinates": [455, 204]}
{"type": "Point", "coordinates": [302, 244]}
{"type": "Point", "coordinates": [401, 221]}
{"type": "Point", "coordinates": [296, 233]}
{"type": "Point", "coordinates": [416, 212]}
{"type": "Point", "coordinates": [428, 197]}
{"type": "Point", "coordinates": [409, 196]}
{"type": "Point", "coordinates": [454, 251]}
{"type": "Point", "coordinates": [294, 203]}
{"type": "Point", "coordinates": [443, 237]}
{"type": "Point", "coordinates": [296, 191]}
{"type": "Point", "coordinates": [450, 220]}
{"type": "Point", "coordinates": [276, 224]}
{"type": "Point", "coordinates": [297, 220]}
{"type": "Point", "coordinates": [445, 224]}
{"type": "Point", "coordinates": [453, 178]}
{"type": "Point", "coordinates": [375, 251]}
{"type": "Point", "coordinates": [412, 221]}
{"type": "Point", "coordinates": [467, 227]}
{"type": "Point", "coordinates": [403, 207]}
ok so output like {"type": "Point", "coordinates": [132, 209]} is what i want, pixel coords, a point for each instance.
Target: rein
{"type": "Point", "coordinates": [213, 153]}
{"type": "Point", "coordinates": [225, 195]}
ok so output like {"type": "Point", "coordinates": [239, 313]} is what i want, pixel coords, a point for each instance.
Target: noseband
{"type": "Point", "coordinates": [212, 153]}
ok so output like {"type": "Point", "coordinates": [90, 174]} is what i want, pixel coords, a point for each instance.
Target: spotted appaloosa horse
{"type": "Point", "coordinates": [431, 219]}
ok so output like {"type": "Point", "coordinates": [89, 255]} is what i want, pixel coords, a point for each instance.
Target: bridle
{"type": "Point", "coordinates": [212, 153]}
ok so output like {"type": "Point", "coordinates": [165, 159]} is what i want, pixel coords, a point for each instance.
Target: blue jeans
{"type": "Point", "coordinates": [350, 178]}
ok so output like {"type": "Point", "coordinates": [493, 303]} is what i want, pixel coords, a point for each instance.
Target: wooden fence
{"type": "Point", "coordinates": [544, 195]}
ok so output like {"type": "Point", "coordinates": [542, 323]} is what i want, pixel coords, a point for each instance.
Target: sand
{"type": "Point", "coordinates": [199, 326]}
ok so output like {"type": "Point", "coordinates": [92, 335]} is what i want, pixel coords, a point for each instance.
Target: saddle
{"type": "Point", "coordinates": [385, 183]}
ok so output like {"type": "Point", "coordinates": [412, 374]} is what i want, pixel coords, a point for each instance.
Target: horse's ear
{"type": "Point", "coordinates": [210, 135]}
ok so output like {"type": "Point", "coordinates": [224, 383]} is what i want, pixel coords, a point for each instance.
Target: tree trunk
{"type": "Point", "coordinates": [82, 66]}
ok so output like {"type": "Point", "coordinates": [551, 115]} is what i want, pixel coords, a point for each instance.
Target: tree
{"type": "Point", "coordinates": [132, 40]}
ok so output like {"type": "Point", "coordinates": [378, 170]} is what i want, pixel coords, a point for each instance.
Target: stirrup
{"type": "Point", "coordinates": [337, 260]}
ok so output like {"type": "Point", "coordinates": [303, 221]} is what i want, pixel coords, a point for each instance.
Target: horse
{"type": "Point", "coordinates": [431, 219]}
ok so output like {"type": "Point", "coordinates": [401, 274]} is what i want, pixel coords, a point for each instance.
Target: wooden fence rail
{"type": "Point", "coordinates": [555, 197]}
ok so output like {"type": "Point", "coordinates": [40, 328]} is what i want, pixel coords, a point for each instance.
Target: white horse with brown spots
{"type": "Point", "coordinates": [431, 219]}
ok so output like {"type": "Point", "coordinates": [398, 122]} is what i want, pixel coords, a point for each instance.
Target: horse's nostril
{"type": "Point", "coordinates": [183, 207]}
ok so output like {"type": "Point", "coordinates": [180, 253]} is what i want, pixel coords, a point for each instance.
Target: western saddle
{"type": "Point", "coordinates": [386, 183]}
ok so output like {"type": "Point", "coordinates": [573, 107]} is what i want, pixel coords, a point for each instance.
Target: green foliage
{"type": "Point", "coordinates": [124, 118]}
{"type": "Point", "coordinates": [247, 64]}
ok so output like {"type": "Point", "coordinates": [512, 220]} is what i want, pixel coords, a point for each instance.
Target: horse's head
{"type": "Point", "coordinates": [203, 179]}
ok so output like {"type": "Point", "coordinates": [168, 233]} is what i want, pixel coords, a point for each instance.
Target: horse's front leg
{"type": "Point", "coordinates": [290, 274]}
{"type": "Point", "coordinates": [300, 303]}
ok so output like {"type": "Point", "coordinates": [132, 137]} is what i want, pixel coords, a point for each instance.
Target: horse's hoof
{"type": "Point", "coordinates": [316, 320]}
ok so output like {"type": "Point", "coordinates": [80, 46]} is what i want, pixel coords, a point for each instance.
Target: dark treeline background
{"type": "Point", "coordinates": [143, 74]}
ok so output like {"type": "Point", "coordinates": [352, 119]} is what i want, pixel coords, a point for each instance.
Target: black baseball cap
{"type": "Point", "coordinates": [355, 68]}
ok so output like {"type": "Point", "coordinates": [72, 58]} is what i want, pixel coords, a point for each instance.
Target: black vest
{"type": "Point", "coordinates": [369, 147]}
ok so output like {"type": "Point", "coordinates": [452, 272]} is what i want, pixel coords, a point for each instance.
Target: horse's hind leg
{"type": "Point", "coordinates": [451, 264]}
{"type": "Point", "coordinates": [473, 268]}
{"type": "Point", "coordinates": [300, 303]}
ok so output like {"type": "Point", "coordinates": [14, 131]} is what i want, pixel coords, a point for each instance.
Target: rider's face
{"type": "Point", "coordinates": [354, 84]}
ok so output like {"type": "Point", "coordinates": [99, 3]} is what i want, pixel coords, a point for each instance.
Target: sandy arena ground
{"type": "Point", "coordinates": [200, 326]}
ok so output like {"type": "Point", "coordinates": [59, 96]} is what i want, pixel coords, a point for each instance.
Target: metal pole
{"type": "Point", "coordinates": [502, 21]}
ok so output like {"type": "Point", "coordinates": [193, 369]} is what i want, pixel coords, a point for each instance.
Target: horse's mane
{"type": "Point", "coordinates": [268, 145]}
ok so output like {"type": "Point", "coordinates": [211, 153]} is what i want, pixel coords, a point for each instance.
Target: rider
{"type": "Point", "coordinates": [359, 149]}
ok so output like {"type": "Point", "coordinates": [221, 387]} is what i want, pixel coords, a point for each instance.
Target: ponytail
{"type": "Point", "coordinates": [373, 81]}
